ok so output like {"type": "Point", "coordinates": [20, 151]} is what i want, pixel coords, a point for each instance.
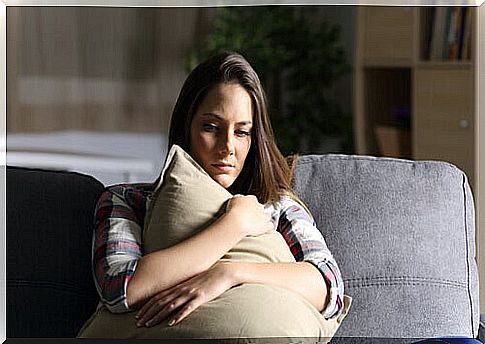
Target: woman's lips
{"type": "Point", "coordinates": [224, 168]}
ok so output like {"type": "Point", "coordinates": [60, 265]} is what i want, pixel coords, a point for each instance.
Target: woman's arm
{"type": "Point", "coordinates": [309, 276]}
{"type": "Point", "coordinates": [124, 278]}
{"type": "Point", "coordinates": [181, 300]}
{"type": "Point", "coordinates": [166, 268]}
{"type": "Point", "coordinates": [315, 275]}
{"type": "Point", "coordinates": [307, 244]}
{"type": "Point", "coordinates": [300, 277]}
{"type": "Point", "coordinates": [163, 269]}
{"type": "Point", "coordinates": [117, 243]}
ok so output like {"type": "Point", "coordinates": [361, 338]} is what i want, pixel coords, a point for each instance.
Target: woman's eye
{"type": "Point", "coordinates": [242, 133]}
{"type": "Point", "coordinates": [209, 127]}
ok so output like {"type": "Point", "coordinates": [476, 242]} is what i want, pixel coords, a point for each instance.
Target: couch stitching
{"type": "Point", "coordinates": [404, 280]}
{"type": "Point", "coordinates": [409, 282]}
{"type": "Point", "coordinates": [48, 284]}
{"type": "Point", "coordinates": [407, 277]}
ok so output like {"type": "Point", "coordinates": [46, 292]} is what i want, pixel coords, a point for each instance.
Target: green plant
{"type": "Point", "coordinates": [297, 59]}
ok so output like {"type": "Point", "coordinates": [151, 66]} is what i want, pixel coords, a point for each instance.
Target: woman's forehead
{"type": "Point", "coordinates": [227, 102]}
{"type": "Point", "coordinates": [219, 117]}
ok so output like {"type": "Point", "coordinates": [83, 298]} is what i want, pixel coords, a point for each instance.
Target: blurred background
{"type": "Point", "coordinates": [91, 89]}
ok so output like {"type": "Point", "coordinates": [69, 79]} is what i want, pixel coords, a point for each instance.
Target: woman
{"type": "Point", "coordinates": [221, 119]}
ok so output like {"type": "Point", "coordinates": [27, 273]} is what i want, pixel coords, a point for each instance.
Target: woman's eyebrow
{"type": "Point", "coordinates": [219, 117]}
{"type": "Point", "coordinates": [245, 123]}
{"type": "Point", "coordinates": [211, 114]}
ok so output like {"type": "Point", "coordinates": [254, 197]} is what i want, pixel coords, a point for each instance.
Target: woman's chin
{"type": "Point", "coordinates": [224, 180]}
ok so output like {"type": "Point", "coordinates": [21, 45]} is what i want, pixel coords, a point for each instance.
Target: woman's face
{"type": "Point", "coordinates": [220, 132]}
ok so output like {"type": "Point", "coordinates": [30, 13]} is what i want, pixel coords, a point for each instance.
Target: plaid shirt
{"type": "Point", "coordinates": [117, 243]}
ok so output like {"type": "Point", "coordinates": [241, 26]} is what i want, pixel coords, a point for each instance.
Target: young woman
{"type": "Point", "coordinates": [221, 119]}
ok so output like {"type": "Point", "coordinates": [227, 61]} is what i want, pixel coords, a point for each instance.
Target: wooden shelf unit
{"type": "Point", "coordinates": [392, 71]}
{"type": "Point", "coordinates": [444, 96]}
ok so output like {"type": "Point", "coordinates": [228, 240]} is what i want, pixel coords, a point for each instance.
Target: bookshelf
{"type": "Point", "coordinates": [415, 84]}
{"type": "Point", "coordinates": [405, 58]}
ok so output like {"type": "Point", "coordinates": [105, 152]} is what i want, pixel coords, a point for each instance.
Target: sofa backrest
{"type": "Point", "coordinates": [403, 233]}
{"type": "Point", "coordinates": [50, 289]}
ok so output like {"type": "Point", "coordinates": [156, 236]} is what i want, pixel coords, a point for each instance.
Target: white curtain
{"type": "Point", "coordinates": [95, 68]}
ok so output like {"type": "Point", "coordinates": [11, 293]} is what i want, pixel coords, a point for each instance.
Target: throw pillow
{"type": "Point", "coordinates": [187, 200]}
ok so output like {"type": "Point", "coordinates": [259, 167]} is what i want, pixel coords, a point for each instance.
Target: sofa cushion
{"type": "Point", "coordinates": [50, 289]}
{"type": "Point", "coordinates": [186, 200]}
{"type": "Point", "coordinates": [403, 234]}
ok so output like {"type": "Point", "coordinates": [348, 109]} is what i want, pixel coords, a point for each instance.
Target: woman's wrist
{"type": "Point", "coordinates": [231, 272]}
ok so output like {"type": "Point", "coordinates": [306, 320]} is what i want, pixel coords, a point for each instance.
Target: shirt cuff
{"type": "Point", "coordinates": [117, 302]}
{"type": "Point", "coordinates": [335, 287]}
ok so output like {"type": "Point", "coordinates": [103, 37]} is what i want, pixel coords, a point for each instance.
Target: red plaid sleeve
{"type": "Point", "coordinates": [307, 244]}
{"type": "Point", "coordinates": [117, 244]}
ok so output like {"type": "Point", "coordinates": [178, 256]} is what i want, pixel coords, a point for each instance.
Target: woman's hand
{"type": "Point", "coordinates": [186, 296]}
{"type": "Point", "coordinates": [249, 215]}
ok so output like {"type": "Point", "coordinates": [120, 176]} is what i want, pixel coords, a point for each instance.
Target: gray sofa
{"type": "Point", "coordinates": [403, 233]}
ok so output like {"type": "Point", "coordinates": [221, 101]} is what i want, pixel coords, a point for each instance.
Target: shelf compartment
{"type": "Point", "coordinates": [446, 34]}
{"type": "Point", "coordinates": [387, 111]}
{"type": "Point", "coordinates": [389, 33]}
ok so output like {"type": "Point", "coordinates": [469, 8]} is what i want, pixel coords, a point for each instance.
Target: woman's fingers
{"type": "Point", "coordinates": [160, 310]}
{"type": "Point", "coordinates": [155, 304]}
{"type": "Point", "coordinates": [163, 313]}
{"type": "Point", "coordinates": [146, 307]}
{"type": "Point", "coordinates": [151, 311]}
{"type": "Point", "coordinates": [149, 304]}
{"type": "Point", "coordinates": [186, 297]}
{"type": "Point", "coordinates": [248, 215]}
{"type": "Point", "coordinates": [186, 310]}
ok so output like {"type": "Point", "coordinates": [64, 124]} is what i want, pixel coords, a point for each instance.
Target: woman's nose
{"type": "Point", "coordinates": [226, 144]}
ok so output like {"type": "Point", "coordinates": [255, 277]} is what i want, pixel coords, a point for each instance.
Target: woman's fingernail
{"type": "Point", "coordinates": [171, 322]}
{"type": "Point", "coordinates": [137, 316]}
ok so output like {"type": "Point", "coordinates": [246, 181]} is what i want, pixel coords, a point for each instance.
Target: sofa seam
{"type": "Point", "coordinates": [389, 283]}
{"type": "Point", "coordinates": [408, 278]}
{"type": "Point", "coordinates": [467, 251]}
{"type": "Point", "coordinates": [47, 284]}
{"type": "Point", "coordinates": [380, 160]}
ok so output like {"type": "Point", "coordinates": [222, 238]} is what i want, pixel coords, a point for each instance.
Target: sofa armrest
{"type": "Point", "coordinates": [374, 211]}
{"type": "Point", "coordinates": [50, 217]}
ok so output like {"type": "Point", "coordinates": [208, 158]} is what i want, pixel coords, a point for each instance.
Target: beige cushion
{"type": "Point", "coordinates": [186, 200]}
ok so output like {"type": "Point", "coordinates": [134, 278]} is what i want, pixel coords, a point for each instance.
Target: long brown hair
{"type": "Point", "coordinates": [266, 173]}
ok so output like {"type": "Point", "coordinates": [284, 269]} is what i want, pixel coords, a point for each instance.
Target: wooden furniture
{"type": "Point", "coordinates": [397, 67]}
{"type": "Point", "coordinates": [394, 73]}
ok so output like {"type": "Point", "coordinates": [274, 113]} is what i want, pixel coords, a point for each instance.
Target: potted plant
{"type": "Point", "coordinates": [298, 60]}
